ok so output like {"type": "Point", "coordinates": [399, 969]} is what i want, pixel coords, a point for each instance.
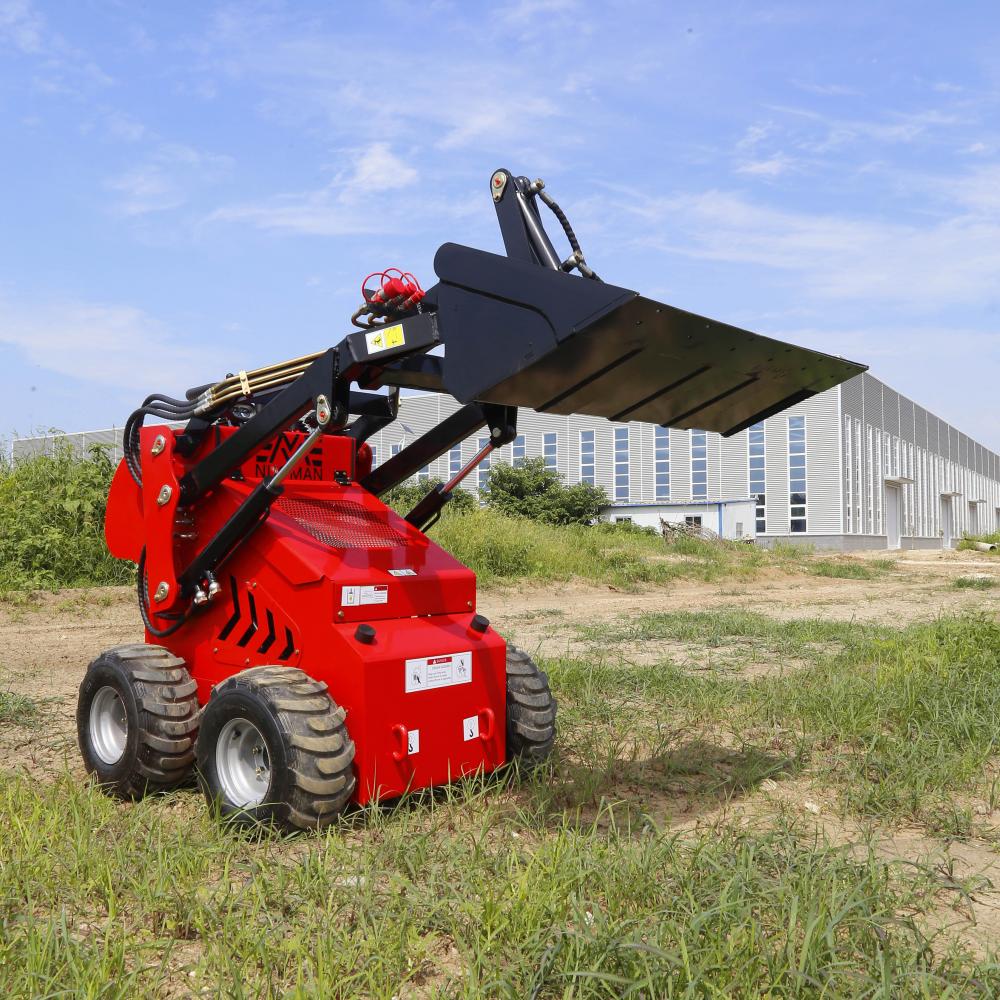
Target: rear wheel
{"type": "Point", "coordinates": [531, 710]}
{"type": "Point", "coordinates": [273, 749]}
{"type": "Point", "coordinates": [136, 720]}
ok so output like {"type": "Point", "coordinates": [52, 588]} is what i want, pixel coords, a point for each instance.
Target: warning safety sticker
{"type": "Point", "coordinates": [385, 339]}
{"type": "Point", "coordinates": [438, 671]}
{"type": "Point", "coordinates": [351, 597]}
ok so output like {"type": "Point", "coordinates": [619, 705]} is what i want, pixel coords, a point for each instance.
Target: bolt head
{"type": "Point", "coordinates": [159, 444]}
{"type": "Point", "coordinates": [162, 591]}
{"type": "Point", "coordinates": [164, 495]}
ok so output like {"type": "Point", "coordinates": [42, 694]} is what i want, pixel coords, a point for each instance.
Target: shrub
{"type": "Point", "coordinates": [52, 522]}
{"type": "Point", "coordinates": [538, 493]}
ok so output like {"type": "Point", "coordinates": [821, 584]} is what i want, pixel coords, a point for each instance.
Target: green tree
{"type": "Point", "coordinates": [404, 497]}
{"type": "Point", "coordinates": [536, 492]}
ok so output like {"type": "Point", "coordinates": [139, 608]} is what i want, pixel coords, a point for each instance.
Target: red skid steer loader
{"type": "Point", "coordinates": [305, 646]}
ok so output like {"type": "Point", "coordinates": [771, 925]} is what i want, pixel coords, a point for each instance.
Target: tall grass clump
{"type": "Point", "coordinates": [502, 548]}
{"type": "Point", "coordinates": [52, 522]}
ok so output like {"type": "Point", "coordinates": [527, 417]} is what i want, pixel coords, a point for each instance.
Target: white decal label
{"type": "Point", "coordinates": [402, 572]}
{"type": "Point", "coordinates": [470, 728]}
{"type": "Point", "coordinates": [438, 671]}
{"type": "Point", "coordinates": [351, 597]}
{"type": "Point", "coordinates": [413, 741]}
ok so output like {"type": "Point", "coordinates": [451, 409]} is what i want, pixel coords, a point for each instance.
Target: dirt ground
{"type": "Point", "coordinates": [49, 639]}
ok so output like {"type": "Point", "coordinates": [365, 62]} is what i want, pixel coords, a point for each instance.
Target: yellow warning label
{"type": "Point", "coordinates": [385, 339]}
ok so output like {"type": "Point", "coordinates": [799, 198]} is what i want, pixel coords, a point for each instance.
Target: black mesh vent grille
{"type": "Point", "coordinates": [341, 524]}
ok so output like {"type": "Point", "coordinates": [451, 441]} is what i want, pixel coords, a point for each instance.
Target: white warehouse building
{"type": "Point", "coordinates": [858, 466]}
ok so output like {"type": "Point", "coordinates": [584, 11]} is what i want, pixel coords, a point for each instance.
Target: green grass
{"type": "Point", "coordinates": [503, 549]}
{"type": "Point", "coordinates": [16, 709]}
{"type": "Point", "coordinates": [730, 626]}
{"type": "Point", "coordinates": [476, 893]}
{"type": "Point", "coordinates": [974, 583]}
{"type": "Point", "coordinates": [903, 722]}
{"type": "Point", "coordinates": [853, 569]}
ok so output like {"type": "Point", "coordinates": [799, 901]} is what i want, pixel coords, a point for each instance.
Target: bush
{"type": "Point", "coordinates": [538, 493]}
{"type": "Point", "coordinates": [52, 522]}
{"type": "Point", "coordinates": [404, 497]}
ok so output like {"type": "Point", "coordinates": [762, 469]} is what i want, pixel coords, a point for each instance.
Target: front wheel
{"type": "Point", "coordinates": [531, 710]}
{"type": "Point", "coordinates": [273, 750]}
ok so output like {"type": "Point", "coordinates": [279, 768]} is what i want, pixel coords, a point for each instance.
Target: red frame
{"type": "Point", "coordinates": [292, 583]}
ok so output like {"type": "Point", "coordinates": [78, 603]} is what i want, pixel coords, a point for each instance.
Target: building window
{"type": "Point", "coordinates": [870, 515]}
{"type": "Point", "coordinates": [692, 520]}
{"type": "Point", "coordinates": [797, 473]}
{"type": "Point", "coordinates": [550, 450]}
{"type": "Point", "coordinates": [587, 474]}
{"type": "Point", "coordinates": [848, 465]}
{"type": "Point", "coordinates": [699, 465]}
{"type": "Point", "coordinates": [621, 463]}
{"type": "Point", "coordinates": [374, 449]}
{"type": "Point", "coordinates": [662, 459]}
{"type": "Point", "coordinates": [396, 449]}
{"type": "Point", "coordinates": [454, 461]}
{"type": "Point", "coordinates": [518, 451]}
{"type": "Point", "coordinates": [483, 469]}
{"type": "Point", "coordinates": [858, 478]}
{"type": "Point", "coordinates": [755, 457]}
{"type": "Point", "coordinates": [424, 474]}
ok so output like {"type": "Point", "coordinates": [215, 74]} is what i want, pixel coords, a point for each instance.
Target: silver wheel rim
{"type": "Point", "coordinates": [243, 763]}
{"type": "Point", "coordinates": [108, 725]}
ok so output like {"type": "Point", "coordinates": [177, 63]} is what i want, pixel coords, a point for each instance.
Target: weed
{"type": "Point", "coordinates": [16, 709]}
{"type": "Point", "coordinates": [974, 583]}
{"type": "Point", "coordinates": [850, 569]}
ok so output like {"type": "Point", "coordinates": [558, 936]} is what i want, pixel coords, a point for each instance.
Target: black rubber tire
{"type": "Point", "coordinates": [531, 710]}
{"type": "Point", "coordinates": [161, 712]}
{"type": "Point", "coordinates": [309, 748]}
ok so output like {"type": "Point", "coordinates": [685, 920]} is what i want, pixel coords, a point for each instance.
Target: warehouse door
{"type": "Point", "coordinates": [947, 530]}
{"type": "Point", "coordinates": [892, 497]}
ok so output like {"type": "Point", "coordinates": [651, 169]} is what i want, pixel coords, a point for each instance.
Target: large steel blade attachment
{"type": "Point", "coordinates": [523, 335]}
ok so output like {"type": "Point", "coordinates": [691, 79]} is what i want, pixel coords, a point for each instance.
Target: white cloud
{"type": "Point", "coordinates": [352, 203]}
{"type": "Point", "coordinates": [377, 168]}
{"type": "Point", "coordinates": [773, 166]}
{"type": "Point", "coordinates": [110, 345]}
{"type": "Point", "coordinates": [165, 179]}
{"type": "Point", "coordinates": [954, 260]}
{"type": "Point", "coordinates": [21, 26]}
{"type": "Point", "coordinates": [827, 89]}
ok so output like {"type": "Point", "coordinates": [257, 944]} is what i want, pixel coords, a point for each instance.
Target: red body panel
{"type": "Point", "coordinates": [425, 700]}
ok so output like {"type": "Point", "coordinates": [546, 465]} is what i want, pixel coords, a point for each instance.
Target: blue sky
{"type": "Point", "coordinates": [188, 189]}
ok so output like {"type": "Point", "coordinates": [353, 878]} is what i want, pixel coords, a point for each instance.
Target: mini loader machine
{"type": "Point", "coordinates": [305, 646]}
